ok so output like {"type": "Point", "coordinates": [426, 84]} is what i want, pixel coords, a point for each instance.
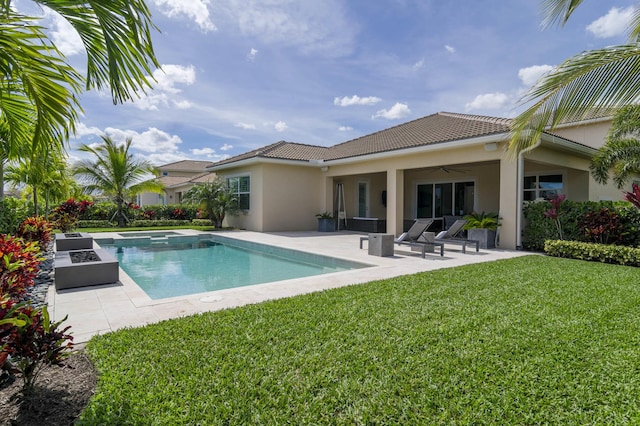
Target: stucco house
{"type": "Point", "coordinates": [177, 178]}
{"type": "Point", "coordinates": [441, 165]}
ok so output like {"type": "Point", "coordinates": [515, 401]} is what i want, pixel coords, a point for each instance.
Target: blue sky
{"type": "Point", "coordinates": [240, 74]}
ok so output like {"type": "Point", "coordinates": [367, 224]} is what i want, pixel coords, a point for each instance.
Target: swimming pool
{"type": "Point", "coordinates": [181, 266]}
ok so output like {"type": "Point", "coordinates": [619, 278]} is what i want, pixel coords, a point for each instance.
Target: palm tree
{"type": "Point", "coordinates": [115, 173]}
{"type": "Point", "coordinates": [39, 86]}
{"type": "Point", "coordinates": [215, 198]}
{"type": "Point", "coordinates": [591, 82]}
{"type": "Point", "coordinates": [41, 167]}
{"type": "Point", "coordinates": [621, 152]}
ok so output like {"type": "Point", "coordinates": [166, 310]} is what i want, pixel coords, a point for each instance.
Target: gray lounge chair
{"type": "Point", "coordinates": [414, 238]}
{"type": "Point", "coordinates": [450, 236]}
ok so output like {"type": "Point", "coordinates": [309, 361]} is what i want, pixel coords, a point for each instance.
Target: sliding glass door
{"type": "Point", "coordinates": [436, 200]}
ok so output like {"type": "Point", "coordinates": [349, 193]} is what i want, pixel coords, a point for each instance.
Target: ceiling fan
{"type": "Point", "coordinates": [446, 169]}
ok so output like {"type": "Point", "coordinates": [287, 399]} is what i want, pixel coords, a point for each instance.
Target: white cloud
{"type": "Point", "coordinates": [165, 89]}
{"type": "Point", "coordinates": [192, 9]}
{"type": "Point", "coordinates": [252, 54]}
{"type": "Point", "coordinates": [418, 64]}
{"type": "Point", "coordinates": [345, 128]}
{"type": "Point", "coordinates": [488, 101]}
{"type": "Point", "coordinates": [450, 49]}
{"type": "Point", "coordinates": [356, 100]}
{"type": "Point", "coordinates": [281, 126]}
{"type": "Point", "coordinates": [395, 112]}
{"type": "Point", "coordinates": [83, 130]}
{"type": "Point", "coordinates": [208, 152]}
{"type": "Point", "coordinates": [532, 74]}
{"type": "Point", "coordinates": [614, 23]}
{"type": "Point", "coordinates": [64, 36]}
{"type": "Point", "coordinates": [246, 126]}
{"type": "Point", "coordinates": [153, 140]}
{"type": "Point", "coordinates": [226, 147]}
{"type": "Point", "coordinates": [313, 26]}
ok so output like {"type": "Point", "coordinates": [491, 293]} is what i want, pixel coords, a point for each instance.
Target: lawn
{"type": "Point", "coordinates": [523, 341]}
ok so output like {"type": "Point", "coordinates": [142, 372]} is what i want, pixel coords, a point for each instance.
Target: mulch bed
{"type": "Point", "coordinates": [60, 395]}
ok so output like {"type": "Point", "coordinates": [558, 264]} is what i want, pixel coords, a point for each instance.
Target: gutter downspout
{"type": "Point", "coordinates": [519, 195]}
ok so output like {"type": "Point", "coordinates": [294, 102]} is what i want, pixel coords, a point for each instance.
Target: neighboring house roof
{"type": "Point", "coordinates": [186, 166]}
{"type": "Point", "coordinates": [177, 181]}
{"type": "Point", "coordinates": [430, 130]}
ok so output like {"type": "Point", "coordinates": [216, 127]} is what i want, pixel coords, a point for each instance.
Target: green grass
{"type": "Point", "coordinates": [523, 341]}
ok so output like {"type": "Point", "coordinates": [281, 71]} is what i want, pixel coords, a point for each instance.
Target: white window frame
{"type": "Point", "coordinates": [537, 175]}
{"type": "Point", "coordinates": [367, 195]}
{"type": "Point", "coordinates": [238, 193]}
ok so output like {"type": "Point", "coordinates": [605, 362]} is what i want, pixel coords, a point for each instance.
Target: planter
{"type": "Point", "coordinates": [73, 241]}
{"type": "Point", "coordinates": [487, 237]}
{"type": "Point", "coordinates": [79, 268]}
{"type": "Point", "coordinates": [326, 225]}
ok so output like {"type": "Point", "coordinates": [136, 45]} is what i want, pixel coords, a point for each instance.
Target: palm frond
{"type": "Point", "coordinates": [558, 11]}
{"type": "Point", "coordinates": [592, 81]}
{"type": "Point", "coordinates": [117, 37]}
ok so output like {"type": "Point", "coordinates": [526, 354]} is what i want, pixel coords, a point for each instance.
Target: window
{"type": "Point", "coordinates": [241, 186]}
{"type": "Point", "coordinates": [165, 173]}
{"type": "Point", "coordinates": [542, 186]}
{"type": "Point", "coordinates": [445, 199]}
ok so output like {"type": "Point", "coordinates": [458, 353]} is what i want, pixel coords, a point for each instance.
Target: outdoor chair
{"type": "Point", "coordinates": [450, 236]}
{"type": "Point", "coordinates": [414, 237]}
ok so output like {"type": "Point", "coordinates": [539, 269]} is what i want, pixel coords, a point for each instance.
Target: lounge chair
{"type": "Point", "coordinates": [413, 237]}
{"type": "Point", "coordinates": [450, 236]}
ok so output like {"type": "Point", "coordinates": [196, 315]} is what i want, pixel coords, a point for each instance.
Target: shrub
{"type": "Point", "coordinates": [36, 229]}
{"type": "Point", "coordinates": [12, 212]}
{"type": "Point", "coordinates": [201, 222]}
{"type": "Point", "coordinates": [29, 340]}
{"type": "Point", "coordinates": [602, 226]}
{"type": "Point", "coordinates": [622, 255]}
{"type": "Point", "coordinates": [159, 222]}
{"type": "Point", "coordinates": [67, 214]}
{"type": "Point", "coordinates": [482, 221]}
{"type": "Point", "coordinates": [103, 210]}
{"type": "Point", "coordinates": [95, 224]}
{"type": "Point", "coordinates": [18, 265]}
{"type": "Point", "coordinates": [538, 228]}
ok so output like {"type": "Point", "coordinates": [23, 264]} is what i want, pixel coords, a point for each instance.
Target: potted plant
{"type": "Point", "coordinates": [326, 222]}
{"type": "Point", "coordinates": [482, 227]}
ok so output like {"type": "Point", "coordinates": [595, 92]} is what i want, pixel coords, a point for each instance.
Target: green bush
{"type": "Point", "coordinates": [103, 210]}
{"type": "Point", "coordinates": [622, 255]}
{"type": "Point", "coordinates": [539, 228]}
{"type": "Point", "coordinates": [95, 224]}
{"type": "Point", "coordinates": [201, 222]}
{"type": "Point", "coordinates": [13, 211]}
{"type": "Point", "coordinates": [159, 222]}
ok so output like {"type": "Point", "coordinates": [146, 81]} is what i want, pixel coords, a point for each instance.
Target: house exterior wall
{"type": "Point", "coordinates": [590, 134]}
{"type": "Point", "coordinates": [283, 198]}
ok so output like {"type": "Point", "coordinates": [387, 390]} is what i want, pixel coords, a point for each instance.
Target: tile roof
{"type": "Point", "coordinates": [186, 165]}
{"type": "Point", "coordinates": [281, 150]}
{"type": "Point", "coordinates": [432, 129]}
{"type": "Point", "coordinates": [173, 181]}
{"type": "Point", "coordinates": [429, 130]}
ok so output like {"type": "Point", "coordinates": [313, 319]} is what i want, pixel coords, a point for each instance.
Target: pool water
{"type": "Point", "coordinates": [180, 268]}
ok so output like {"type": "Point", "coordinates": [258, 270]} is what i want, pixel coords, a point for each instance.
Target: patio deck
{"type": "Point", "coordinates": [101, 309]}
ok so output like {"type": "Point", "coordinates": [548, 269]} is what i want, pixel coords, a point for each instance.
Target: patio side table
{"type": "Point", "coordinates": [381, 245]}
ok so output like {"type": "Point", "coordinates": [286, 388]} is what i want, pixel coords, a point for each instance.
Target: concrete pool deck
{"type": "Point", "coordinates": [105, 308]}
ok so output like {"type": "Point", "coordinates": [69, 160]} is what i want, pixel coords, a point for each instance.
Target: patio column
{"type": "Point", "coordinates": [395, 201]}
{"type": "Point", "coordinates": [508, 202]}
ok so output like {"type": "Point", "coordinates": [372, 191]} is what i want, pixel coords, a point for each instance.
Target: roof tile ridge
{"type": "Point", "coordinates": [478, 117]}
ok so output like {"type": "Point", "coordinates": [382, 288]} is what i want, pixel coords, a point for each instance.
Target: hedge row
{"type": "Point", "coordinates": [538, 228]}
{"type": "Point", "coordinates": [144, 223]}
{"type": "Point", "coordinates": [622, 255]}
{"type": "Point", "coordinates": [106, 210]}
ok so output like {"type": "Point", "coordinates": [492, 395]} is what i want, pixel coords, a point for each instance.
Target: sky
{"type": "Point", "coordinates": [237, 75]}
